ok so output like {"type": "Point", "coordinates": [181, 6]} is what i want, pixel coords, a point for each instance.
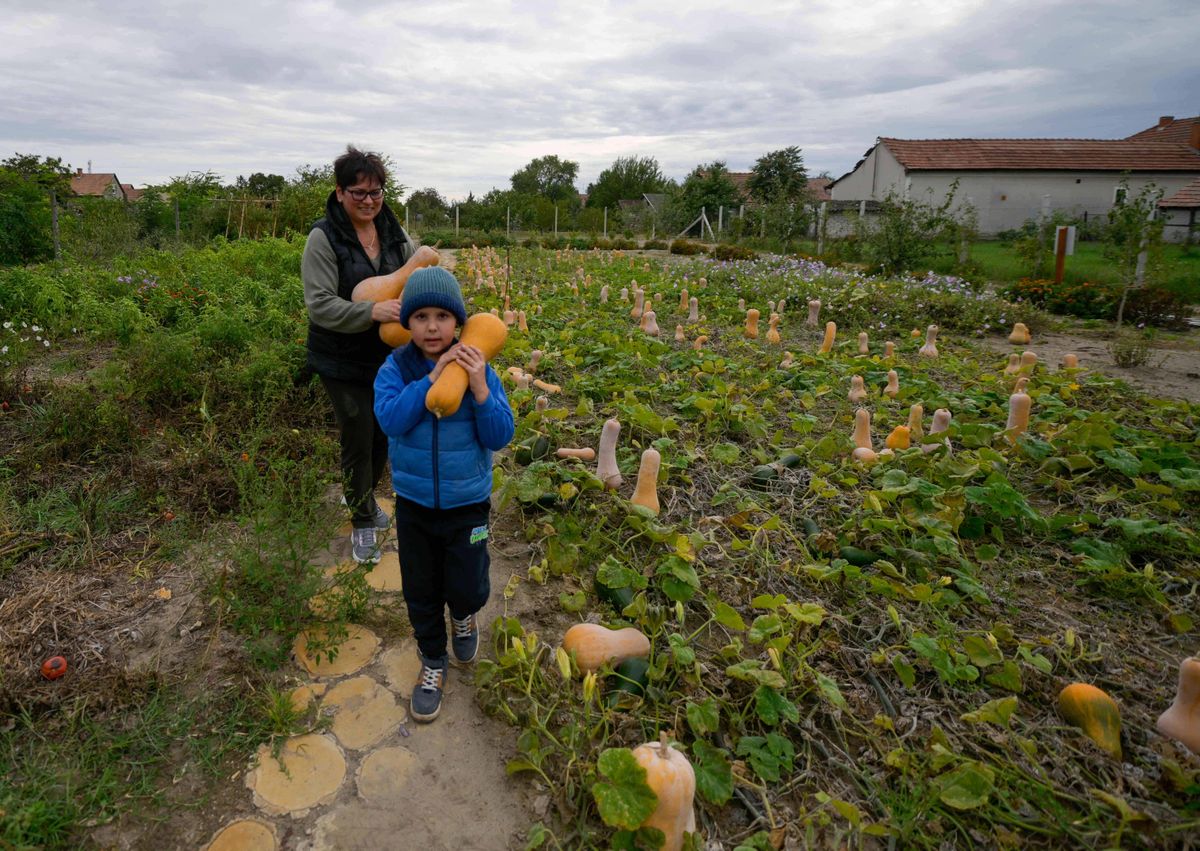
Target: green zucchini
{"type": "Point", "coordinates": [618, 598]}
{"type": "Point", "coordinates": [810, 526]}
{"type": "Point", "coordinates": [532, 450]}
{"type": "Point", "coordinates": [763, 474]}
{"type": "Point", "coordinates": [857, 557]}
{"type": "Point", "coordinates": [628, 682]}
{"type": "Point", "coordinates": [791, 460]}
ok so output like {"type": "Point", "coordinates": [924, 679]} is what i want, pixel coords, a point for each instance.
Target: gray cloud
{"type": "Point", "coordinates": [463, 93]}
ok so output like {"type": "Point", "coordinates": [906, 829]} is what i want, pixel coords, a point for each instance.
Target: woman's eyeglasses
{"type": "Point", "coordinates": [364, 194]}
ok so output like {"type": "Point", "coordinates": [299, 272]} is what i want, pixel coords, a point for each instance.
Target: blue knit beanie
{"type": "Point", "coordinates": [432, 286]}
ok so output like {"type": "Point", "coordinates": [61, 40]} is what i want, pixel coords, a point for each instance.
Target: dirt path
{"type": "Point", "coordinates": [388, 783]}
{"type": "Point", "coordinates": [1173, 370]}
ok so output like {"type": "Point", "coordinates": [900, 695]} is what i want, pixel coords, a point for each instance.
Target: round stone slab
{"type": "Point", "coordinates": [312, 772]}
{"type": "Point", "coordinates": [402, 666]}
{"type": "Point", "coordinates": [383, 773]}
{"type": "Point", "coordinates": [364, 712]}
{"type": "Point", "coordinates": [385, 576]}
{"type": "Point", "coordinates": [245, 835]}
{"type": "Point", "coordinates": [304, 695]}
{"type": "Point", "coordinates": [353, 653]}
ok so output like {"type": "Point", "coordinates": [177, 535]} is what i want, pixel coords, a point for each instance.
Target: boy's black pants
{"type": "Point", "coordinates": [443, 562]}
{"type": "Point", "coordinates": [364, 446]}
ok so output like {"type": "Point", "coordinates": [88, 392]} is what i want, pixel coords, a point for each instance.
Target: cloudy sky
{"type": "Point", "coordinates": [462, 93]}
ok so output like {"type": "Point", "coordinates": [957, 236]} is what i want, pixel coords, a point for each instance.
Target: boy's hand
{"type": "Point", "coordinates": [447, 357]}
{"type": "Point", "coordinates": [473, 361]}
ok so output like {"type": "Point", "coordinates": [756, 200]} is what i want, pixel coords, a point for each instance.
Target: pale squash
{"type": "Point", "coordinates": [814, 311]}
{"type": "Point", "coordinates": [1019, 406]}
{"type": "Point", "coordinates": [862, 429]}
{"type": "Point", "coordinates": [1020, 335]}
{"type": "Point", "coordinates": [646, 492]}
{"type": "Point", "coordinates": [864, 346]}
{"type": "Point", "coordinates": [788, 361]}
{"type": "Point", "coordinates": [486, 333]}
{"type": "Point", "coordinates": [1014, 364]}
{"type": "Point", "coordinates": [604, 294]}
{"type": "Point", "coordinates": [1070, 361]}
{"type": "Point", "coordinates": [541, 404]}
{"type": "Point", "coordinates": [670, 776]}
{"type": "Point", "coordinates": [649, 323]}
{"type": "Point", "coordinates": [1028, 362]}
{"type": "Point", "coordinates": [916, 415]}
{"type": "Point", "coordinates": [522, 322]}
{"type": "Point", "coordinates": [606, 464]}
{"type": "Point", "coordinates": [683, 300]}
{"type": "Point", "coordinates": [892, 390]}
{"type": "Point", "coordinates": [929, 350]}
{"type": "Point", "coordinates": [535, 357]}
{"type": "Point", "coordinates": [693, 309]}
{"type": "Point", "coordinates": [773, 330]}
{"type": "Point", "coordinates": [941, 422]}
{"type": "Point", "coordinates": [889, 350]}
{"type": "Point", "coordinates": [779, 307]}
{"type": "Point", "coordinates": [1181, 721]}
{"type": "Point", "coordinates": [1095, 713]}
{"type": "Point", "coordinates": [830, 336]}
{"type": "Point", "coordinates": [595, 645]}
{"type": "Point", "coordinates": [639, 304]}
{"type": "Point", "coordinates": [742, 304]}
{"type": "Point", "coordinates": [858, 392]}
{"type": "Point", "coordinates": [510, 318]}
{"type": "Point", "coordinates": [585, 453]}
{"type": "Point", "coordinates": [699, 342]}
{"type": "Point", "coordinates": [546, 386]}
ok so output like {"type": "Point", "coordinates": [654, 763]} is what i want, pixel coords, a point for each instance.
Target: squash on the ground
{"type": "Point", "coordinates": [929, 350]}
{"type": "Point", "coordinates": [1095, 713]}
{"type": "Point", "coordinates": [1181, 721]}
{"type": "Point", "coordinates": [814, 311]}
{"type": "Point", "coordinates": [595, 645]}
{"type": "Point", "coordinates": [606, 464]}
{"type": "Point", "coordinates": [892, 390]}
{"type": "Point", "coordinates": [858, 392]}
{"type": "Point", "coordinates": [751, 330]}
{"type": "Point", "coordinates": [830, 336]}
{"type": "Point", "coordinates": [1019, 406]}
{"type": "Point", "coordinates": [864, 344]}
{"type": "Point", "coordinates": [670, 776]}
{"type": "Point", "coordinates": [646, 492]}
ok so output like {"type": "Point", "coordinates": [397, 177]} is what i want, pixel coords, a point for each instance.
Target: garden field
{"type": "Point", "coordinates": [849, 653]}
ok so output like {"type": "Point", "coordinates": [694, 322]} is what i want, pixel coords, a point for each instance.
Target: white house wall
{"type": "Point", "coordinates": [879, 172]}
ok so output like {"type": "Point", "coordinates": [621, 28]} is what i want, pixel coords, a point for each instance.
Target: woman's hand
{"type": "Point", "coordinates": [448, 356]}
{"type": "Point", "coordinates": [424, 256]}
{"type": "Point", "coordinates": [386, 311]}
{"type": "Point", "coordinates": [473, 361]}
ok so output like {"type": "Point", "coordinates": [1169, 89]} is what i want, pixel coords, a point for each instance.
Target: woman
{"type": "Point", "coordinates": [359, 239]}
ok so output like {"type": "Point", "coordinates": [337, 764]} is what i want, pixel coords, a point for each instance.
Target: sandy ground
{"type": "Point", "coordinates": [1173, 370]}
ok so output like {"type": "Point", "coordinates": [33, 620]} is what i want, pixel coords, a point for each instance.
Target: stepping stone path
{"type": "Point", "coordinates": [373, 780]}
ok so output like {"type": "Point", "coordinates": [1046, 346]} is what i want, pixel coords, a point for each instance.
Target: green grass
{"type": "Point", "coordinates": [85, 764]}
{"type": "Point", "coordinates": [998, 262]}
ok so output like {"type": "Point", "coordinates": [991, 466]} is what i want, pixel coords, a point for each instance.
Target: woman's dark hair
{"type": "Point", "coordinates": [356, 165]}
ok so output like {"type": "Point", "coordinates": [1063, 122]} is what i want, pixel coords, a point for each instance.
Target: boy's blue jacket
{"type": "Point", "coordinates": [442, 463]}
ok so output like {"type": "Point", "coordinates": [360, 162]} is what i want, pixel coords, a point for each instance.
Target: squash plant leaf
{"type": "Point", "coordinates": [714, 774]}
{"type": "Point", "coordinates": [704, 717]}
{"type": "Point", "coordinates": [966, 787]}
{"type": "Point", "coordinates": [727, 616]}
{"type": "Point", "coordinates": [831, 692]}
{"type": "Point", "coordinates": [1007, 676]}
{"type": "Point", "coordinates": [1185, 480]}
{"type": "Point", "coordinates": [772, 706]}
{"type": "Point", "coordinates": [1121, 460]}
{"type": "Point", "coordinates": [997, 711]}
{"type": "Point", "coordinates": [623, 797]}
{"type": "Point", "coordinates": [753, 671]}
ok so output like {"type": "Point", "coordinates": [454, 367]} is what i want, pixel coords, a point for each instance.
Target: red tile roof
{"type": "Point", "coordinates": [1185, 198]}
{"type": "Point", "coordinates": [1169, 129]}
{"type": "Point", "coordinates": [819, 187]}
{"type": "Point", "coordinates": [92, 184]}
{"type": "Point", "coordinates": [132, 194]}
{"type": "Point", "coordinates": [1042, 154]}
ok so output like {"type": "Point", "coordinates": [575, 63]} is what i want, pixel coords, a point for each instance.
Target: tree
{"type": "Point", "coordinates": [709, 186]}
{"type": "Point", "coordinates": [1133, 239]}
{"type": "Point", "coordinates": [626, 178]}
{"type": "Point", "coordinates": [26, 181]}
{"type": "Point", "coordinates": [48, 173]}
{"type": "Point", "coordinates": [427, 207]}
{"type": "Point", "coordinates": [909, 232]}
{"type": "Point", "coordinates": [779, 176]}
{"type": "Point", "coordinates": [259, 185]}
{"type": "Point", "coordinates": [549, 177]}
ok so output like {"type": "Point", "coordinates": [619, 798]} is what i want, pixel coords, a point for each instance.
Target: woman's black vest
{"type": "Point", "coordinates": [355, 357]}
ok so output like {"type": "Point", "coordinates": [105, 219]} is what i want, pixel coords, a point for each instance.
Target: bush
{"type": "Point", "coordinates": [1157, 306]}
{"type": "Point", "coordinates": [729, 251]}
{"type": "Point", "coordinates": [622, 243]}
{"type": "Point", "coordinates": [654, 245]}
{"type": "Point", "coordinates": [1149, 305]}
{"type": "Point", "coordinates": [686, 247]}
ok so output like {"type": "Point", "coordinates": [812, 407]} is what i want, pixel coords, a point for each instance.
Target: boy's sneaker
{"type": "Point", "coordinates": [426, 701]}
{"type": "Point", "coordinates": [465, 642]}
{"type": "Point", "coordinates": [364, 549]}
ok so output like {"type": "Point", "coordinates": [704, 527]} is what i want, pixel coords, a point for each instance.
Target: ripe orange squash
{"type": "Point", "coordinates": [751, 331]}
{"type": "Point", "coordinates": [646, 492]}
{"type": "Point", "coordinates": [595, 645]}
{"type": "Point", "coordinates": [671, 777]}
{"type": "Point", "coordinates": [1095, 713]}
{"type": "Point", "coordinates": [830, 336]}
{"type": "Point", "coordinates": [486, 333]}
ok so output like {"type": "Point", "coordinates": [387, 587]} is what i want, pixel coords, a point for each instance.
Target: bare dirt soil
{"type": "Point", "coordinates": [1172, 371]}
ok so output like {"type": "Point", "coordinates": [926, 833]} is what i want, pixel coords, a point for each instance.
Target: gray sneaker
{"type": "Point", "coordinates": [364, 549]}
{"type": "Point", "coordinates": [464, 644]}
{"type": "Point", "coordinates": [381, 519]}
{"type": "Point", "coordinates": [426, 701]}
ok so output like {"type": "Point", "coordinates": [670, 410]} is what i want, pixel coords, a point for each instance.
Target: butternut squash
{"type": "Point", "coordinates": [899, 438]}
{"type": "Point", "coordinates": [683, 300]}
{"type": "Point", "coordinates": [773, 330]}
{"type": "Point", "coordinates": [703, 283]}
{"type": "Point", "coordinates": [779, 307]}
{"type": "Point", "coordinates": [670, 776]}
{"type": "Point", "coordinates": [1028, 362]}
{"type": "Point", "coordinates": [650, 323]}
{"type": "Point", "coordinates": [892, 389]}
{"type": "Point", "coordinates": [624, 293]}
{"type": "Point", "coordinates": [646, 492]}
{"type": "Point", "coordinates": [699, 342]}
{"type": "Point", "coordinates": [515, 372]}
{"type": "Point", "coordinates": [862, 429]}
{"type": "Point", "coordinates": [658, 296]}
{"type": "Point", "coordinates": [1020, 335]}
{"type": "Point", "coordinates": [858, 392]}
{"type": "Point", "coordinates": [390, 286]}
{"type": "Point", "coordinates": [864, 454]}
{"type": "Point", "coordinates": [1070, 361]}
{"type": "Point", "coordinates": [524, 380]}
{"type": "Point", "coordinates": [535, 357]}
{"type": "Point", "coordinates": [941, 422]}
{"type": "Point", "coordinates": [915, 426]}
{"type": "Point", "coordinates": [680, 337]}
{"type": "Point", "coordinates": [510, 318]}
{"type": "Point", "coordinates": [604, 294]}
{"type": "Point", "coordinates": [522, 322]}
{"type": "Point", "coordinates": [814, 311]}
{"type": "Point", "coordinates": [541, 403]}
{"type": "Point", "coordinates": [585, 453]}
{"type": "Point", "coordinates": [742, 305]}
{"type": "Point", "coordinates": [595, 645]}
{"type": "Point", "coordinates": [864, 347]}
{"type": "Point", "coordinates": [543, 385]}
{"type": "Point", "coordinates": [1019, 405]}
{"type": "Point", "coordinates": [639, 304]}
{"type": "Point", "coordinates": [1014, 364]}
{"type": "Point", "coordinates": [1095, 713]}
{"type": "Point", "coordinates": [486, 333]}
{"type": "Point", "coordinates": [929, 350]}
{"type": "Point", "coordinates": [788, 361]}
{"type": "Point", "coordinates": [751, 330]}
{"type": "Point", "coordinates": [606, 464]}
{"type": "Point", "coordinates": [1181, 721]}
{"type": "Point", "coordinates": [693, 309]}
{"type": "Point", "coordinates": [830, 335]}
{"type": "Point", "coordinates": [394, 334]}
{"type": "Point", "coordinates": [889, 350]}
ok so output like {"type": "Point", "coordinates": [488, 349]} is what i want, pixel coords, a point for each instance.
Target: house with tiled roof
{"type": "Point", "coordinates": [1009, 181]}
{"type": "Point", "coordinates": [818, 187]}
{"type": "Point", "coordinates": [1181, 214]}
{"type": "Point", "coordinates": [97, 185]}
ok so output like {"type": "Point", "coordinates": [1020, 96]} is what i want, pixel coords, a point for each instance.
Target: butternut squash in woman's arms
{"type": "Point", "coordinates": [385, 287]}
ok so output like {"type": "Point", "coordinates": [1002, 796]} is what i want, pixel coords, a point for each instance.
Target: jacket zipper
{"type": "Point", "coordinates": [437, 501]}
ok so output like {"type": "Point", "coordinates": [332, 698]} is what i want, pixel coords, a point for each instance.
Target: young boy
{"type": "Point", "coordinates": [442, 474]}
